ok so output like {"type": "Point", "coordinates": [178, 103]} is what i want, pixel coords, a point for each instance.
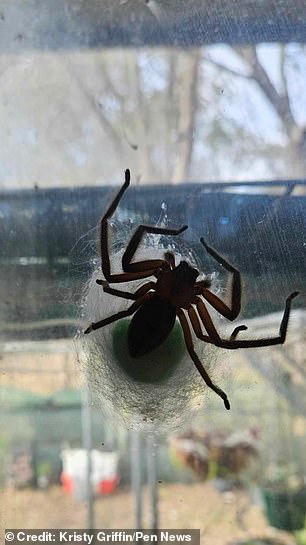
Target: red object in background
{"type": "Point", "coordinates": [67, 483]}
{"type": "Point", "coordinates": [102, 488]}
{"type": "Point", "coordinates": [107, 486]}
{"type": "Point", "coordinates": [104, 472]}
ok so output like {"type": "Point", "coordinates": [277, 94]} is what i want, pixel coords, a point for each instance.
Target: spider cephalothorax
{"type": "Point", "coordinates": [177, 284]}
{"type": "Point", "coordinates": [174, 293]}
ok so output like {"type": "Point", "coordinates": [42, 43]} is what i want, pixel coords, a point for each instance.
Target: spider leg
{"type": "Point", "coordinates": [149, 264]}
{"type": "Point", "coordinates": [127, 294]}
{"type": "Point", "coordinates": [105, 260]}
{"type": "Point", "coordinates": [119, 315]}
{"type": "Point", "coordinates": [232, 343]}
{"type": "Point", "coordinates": [205, 283]}
{"type": "Point", "coordinates": [228, 311]}
{"type": "Point", "coordinates": [213, 336]}
{"type": "Point", "coordinates": [236, 331]}
{"type": "Point", "coordinates": [196, 360]}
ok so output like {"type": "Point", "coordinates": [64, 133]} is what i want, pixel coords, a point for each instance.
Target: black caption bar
{"type": "Point", "coordinates": [95, 537]}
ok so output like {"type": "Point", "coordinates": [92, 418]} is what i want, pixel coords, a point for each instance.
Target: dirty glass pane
{"type": "Point", "coordinates": [206, 107]}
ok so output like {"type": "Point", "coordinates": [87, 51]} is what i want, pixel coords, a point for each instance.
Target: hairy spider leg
{"type": "Point", "coordinates": [135, 271]}
{"type": "Point", "coordinates": [149, 264]}
{"type": "Point", "coordinates": [119, 315]}
{"type": "Point", "coordinates": [230, 312]}
{"type": "Point", "coordinates": [196, 360]}
{"type": "Point", "coordinates": [127, 294]}
{"type": "Point", "coordinates": [209, 326]}
{"type": "Point", "coordinates": [105, 260]}
{"type": "Point", "coordinates": [213, 336]}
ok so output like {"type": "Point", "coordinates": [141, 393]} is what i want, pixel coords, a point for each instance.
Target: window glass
{"type": "Point", "coordinates": [214, 136]}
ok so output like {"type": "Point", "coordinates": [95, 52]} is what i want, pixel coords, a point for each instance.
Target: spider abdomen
{"type": "Point", "coordinates": [150, 326]}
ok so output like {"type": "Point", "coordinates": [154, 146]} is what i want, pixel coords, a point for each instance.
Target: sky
{"type": "Point", "coordinates": [53, 135]}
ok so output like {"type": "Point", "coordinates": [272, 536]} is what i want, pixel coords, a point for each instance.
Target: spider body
{"type": "Point", "coordinates": [175, 293]}
{"type": "Point", "coordinates": [177, 285]}
{"type": "Point", "coordinates": [155, 319]}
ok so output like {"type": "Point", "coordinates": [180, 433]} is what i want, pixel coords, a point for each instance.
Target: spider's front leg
{"type": "Point", "coordinates": [228, 311]}
{"type": "Point", "coordinates": [148, 264]}
{"type": "Point", "coordinates": [132, 271]}
{"type": "Point", "coordinates": [105, 259]}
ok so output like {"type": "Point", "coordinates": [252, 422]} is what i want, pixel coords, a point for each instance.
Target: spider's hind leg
{"type": "Point", "coordinates": [232, 343]}
{"type": "Point", "coordinates": [197, 362]}
{"type": "Point", "coordinates": [122, 314]}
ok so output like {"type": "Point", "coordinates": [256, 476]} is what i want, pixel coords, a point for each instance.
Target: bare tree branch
{"type": "Point", "coordinates": [141, 118]}
{"type": "Point", "coordinates": [187, 108]}
{"type": "Point", "coordinates": [225, 68]}
{"type": "Point", "coordinates": [280, 102]}
{"type": "Point", "coordinates": [96, 108]}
